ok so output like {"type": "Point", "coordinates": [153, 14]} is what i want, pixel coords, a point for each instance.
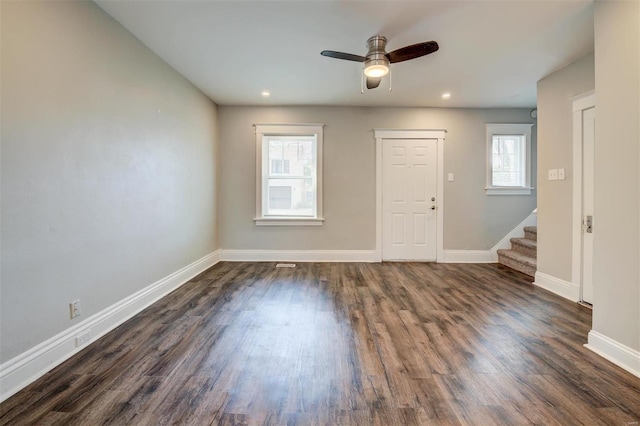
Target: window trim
{"type": "Point", "coordinates": [508, 129]}
{"type": "Point", "coordinates": [262, 130]}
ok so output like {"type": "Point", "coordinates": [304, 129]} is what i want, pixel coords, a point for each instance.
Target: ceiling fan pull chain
{"type": "Point", "coordinates": [362, 80]}
{"type": "Point", "coordinates": [390, 88]}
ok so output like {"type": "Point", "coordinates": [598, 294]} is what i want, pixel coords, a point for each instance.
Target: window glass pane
{"type": "Point", "coordinates": [291, 197]}
{"type": "Point", "coordinates": [507, 160]}
{"type": "Point", "coordinates": [280, 197]}
{"type": "Point", "coordinates": [291, 179]}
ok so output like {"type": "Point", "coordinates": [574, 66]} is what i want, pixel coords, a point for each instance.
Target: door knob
{"type": "Point", "coordinates": [433, 207]}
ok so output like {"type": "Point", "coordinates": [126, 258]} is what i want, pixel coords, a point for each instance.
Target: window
{"type": "Point", "coordinates": [279, 166]}
{"type": "Point", "coordinates": [288, 174]}
{"type": "Point", "coordinates": [508, 159]}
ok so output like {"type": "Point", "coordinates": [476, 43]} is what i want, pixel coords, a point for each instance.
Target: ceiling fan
{"type": "Point", "coordinates": [377, 60]}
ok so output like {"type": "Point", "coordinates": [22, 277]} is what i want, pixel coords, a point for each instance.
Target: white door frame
{"type": "Point", "coordinates": [388, 134]}
{"type": "Point", "coordinates": [580, 103]}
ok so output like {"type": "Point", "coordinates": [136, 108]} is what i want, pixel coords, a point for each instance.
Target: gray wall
{"type": "Point", "coordinates": [108, 177]}
{"type": "Point", "coordinates": [616, 277]}
{"type": "Point", "coordinates": [555, 150]}
{"type": "Point", "coordinates": [473, 220]}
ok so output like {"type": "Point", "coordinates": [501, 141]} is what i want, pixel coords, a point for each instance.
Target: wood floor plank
{"type": "Point", "coordinates": [341, 343]}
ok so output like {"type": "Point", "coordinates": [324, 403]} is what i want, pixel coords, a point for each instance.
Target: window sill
{"type": "Point", "coordinates": [288, 221]}
{"type": "Point", "coordinates": [495, 190]}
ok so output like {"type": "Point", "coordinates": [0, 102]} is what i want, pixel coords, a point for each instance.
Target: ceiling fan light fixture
{"type": "Point", "coordinates": [376, 68]}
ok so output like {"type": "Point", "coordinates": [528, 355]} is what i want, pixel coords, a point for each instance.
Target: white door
{"type": "Point", "coordinates": [409, 199]}
{"type": "Point", "coordinates": [588, 229]}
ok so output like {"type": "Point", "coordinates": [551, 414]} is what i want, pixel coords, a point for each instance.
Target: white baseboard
{"type": "Point", "coordinates": [25, 368]}
{"type": "Point", "coordinates": [563, 288]}
{"type": "Point", "coordinates": [300, 255]}
{"type": "Point", "coordinates": [517, 232]}
{"type": "Point", "coordinates": [469, 256]}
{"type": "Point", "coordinates": [619, 354]}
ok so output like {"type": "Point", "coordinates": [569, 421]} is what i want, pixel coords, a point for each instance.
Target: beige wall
{"type": "Point", "coordinates": [555, 150]}
{"type": "Point", "coordinates": [473, 220]}
{"type": "Point", "coordinates": [616, 305]}
{"type": "Point", "coordinates": [108, 177]}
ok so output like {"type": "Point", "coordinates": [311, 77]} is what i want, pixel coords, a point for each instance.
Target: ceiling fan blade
{"type": "Point", "coordinates": [412, 52]}
{"type": "Point", "coordinates": [373, 82]}
{"type": "Point", "coordinates": [345, 56]}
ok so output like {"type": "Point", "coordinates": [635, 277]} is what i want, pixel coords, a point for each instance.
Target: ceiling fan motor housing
{"type": "Point", "coordinates": [376, 57]}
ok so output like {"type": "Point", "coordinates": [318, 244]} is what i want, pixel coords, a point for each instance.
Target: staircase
{"type": "Point", "coordinates": [523, 253]}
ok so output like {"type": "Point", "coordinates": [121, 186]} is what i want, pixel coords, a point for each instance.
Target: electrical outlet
{"type": "Point", "coordinates": [74, 308]}
{"type": "Point", "coordinates": [83, 339]}
{"type": "Point", "coordinates": [553, 174]}
{"type": "Point", "coordinates": [450, 177]}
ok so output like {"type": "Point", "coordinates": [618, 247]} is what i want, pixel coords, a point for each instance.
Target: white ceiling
{"type": "Point", "coordinates": [491, 54]}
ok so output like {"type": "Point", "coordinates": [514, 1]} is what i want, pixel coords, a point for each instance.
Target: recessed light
{"type": "Point", "coordinates": [266, 93]}
{"type": "Point", "coordinates": [446, 95]}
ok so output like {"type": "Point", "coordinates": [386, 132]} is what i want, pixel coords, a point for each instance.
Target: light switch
{"type": "Point", "coordinates": [553, 174]}
{"type": "Point", "coordinates": [560, 174]}
{"type": "Point", "coordinates": [450, 177]}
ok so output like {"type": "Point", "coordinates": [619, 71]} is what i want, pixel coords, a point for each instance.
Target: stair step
{"type": "Point", "coordinates": [518, 261]}
{"type": "Point", "coordinates": [525, 246]}
{"type": "Point", "coordinates": [531, 232]}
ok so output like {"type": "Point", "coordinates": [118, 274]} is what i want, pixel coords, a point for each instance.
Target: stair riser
{"type": "Point", "coordinates": [517, 257]}
{"type": "Point", "coordinates": [514, 264]}
{"type": "Point", "coordinates": [527, 251]}
{"type": "Point", "coordinates": [523, 253]}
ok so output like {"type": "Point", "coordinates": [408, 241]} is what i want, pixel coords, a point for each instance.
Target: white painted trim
{"type": "Point", "coordinates": [296, 129]}
{"type": "Point", "coordinates": [518, 231]}
{"type": "Point", "coordinates": [580, 103]}
{"type": "Point", "coordinates": [25, 368]}
{"type": "Point", "coordinates": [288, 221]}
{"type": "Point", "coordinates": [409, 133]}
{"type": "Point", "coordinates": [566, 289]}
{"type": "Point", "coordinates": [379, 198]}
{"type": "Point", "coordinates": [439, 135]}
{"type": "Point", "coordinates": [440, 198]}
{"type": "Point", "coordinates": [497, 190]}
{"type": "Point", "coordinates": [299, 256]}
{"type": "Point", "coordinates": [611, 350]}
{"type": "Point", "coordinates": [584, 100]}
{"type": "Point", "coordinates": [469, 256]}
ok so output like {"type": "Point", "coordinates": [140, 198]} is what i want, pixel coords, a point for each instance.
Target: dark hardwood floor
{"type": "Point", "coordinates": [341, 343]}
